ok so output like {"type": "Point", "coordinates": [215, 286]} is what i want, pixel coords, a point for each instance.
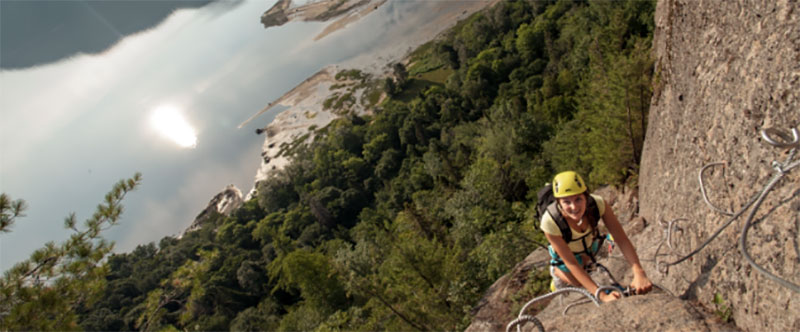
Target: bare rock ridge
{"type": "Point", "coordinates": [223, 203]}
{"type": "Point", "coordinates": [726, 70]}
{"type": "Point", "coordinates": [321, 10]}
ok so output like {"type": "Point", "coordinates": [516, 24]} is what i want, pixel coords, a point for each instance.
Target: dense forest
{"type": "Point", "coordinates": [397, 220]}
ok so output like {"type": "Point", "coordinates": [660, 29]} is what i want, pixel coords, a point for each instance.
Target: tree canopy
{"type": "Point", "coordinates": [401, 219]}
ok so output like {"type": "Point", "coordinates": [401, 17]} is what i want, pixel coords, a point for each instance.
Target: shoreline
{"type": "Point", "coordinates": [304, 101]}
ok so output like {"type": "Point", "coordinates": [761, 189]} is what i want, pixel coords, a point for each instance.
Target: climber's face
{"type": "Point", "coordinates": [572, 207]}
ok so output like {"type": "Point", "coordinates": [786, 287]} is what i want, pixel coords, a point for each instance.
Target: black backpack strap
{"type": "Point", "coordinates": [566, 232]}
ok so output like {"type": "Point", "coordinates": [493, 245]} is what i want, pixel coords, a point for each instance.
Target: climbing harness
{"type": "Point", "coordinates": [783, 140]}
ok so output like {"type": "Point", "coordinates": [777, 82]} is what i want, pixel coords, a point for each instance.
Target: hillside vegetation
{"type": "Point", "coordinates": [401, 220]}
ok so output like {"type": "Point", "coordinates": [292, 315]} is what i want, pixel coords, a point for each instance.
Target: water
{"type": "Point", "coordinates": [71, 129]}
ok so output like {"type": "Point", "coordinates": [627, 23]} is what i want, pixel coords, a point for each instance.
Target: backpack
{"type": "Point", "coordinates": [547, 203]}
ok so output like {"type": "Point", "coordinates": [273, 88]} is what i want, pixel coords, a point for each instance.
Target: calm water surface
{"type": "Point", "coordinates": [71, 129]}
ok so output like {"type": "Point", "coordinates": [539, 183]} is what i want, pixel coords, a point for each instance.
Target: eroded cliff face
{"type": "Point", "coordinates": [224, 203]}
{"type": "Point", "coordinates": [727, 70]}
{"type": "Point", "coordinates": [657, 311]}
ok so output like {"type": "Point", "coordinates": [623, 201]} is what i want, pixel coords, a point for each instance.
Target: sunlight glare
{"type": "Point", "coordinates": [171, 124]}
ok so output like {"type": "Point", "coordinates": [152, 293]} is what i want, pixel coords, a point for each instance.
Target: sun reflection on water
{"type": "Point", "coordinates": [170, 123]}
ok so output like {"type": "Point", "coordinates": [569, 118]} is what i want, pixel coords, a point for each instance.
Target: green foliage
{"type": "Point", "coordinates": [371, 96]}
{"type": "Point", "coordinates": [437, 77]}
{"type": "Point", "coordinates": [10, 210]}
{"type": "Point", "coordinates": [313, 275]}
{"type": "Point", "coordinates": [276, 192]}
{"type": "Point", "coordinates": [356, 88]}
{"type": "Point", "coordinates": [502, 249]}
{"type": "Point", "coordinates": [721, 308]}
{"type": "Point", "coordinates": [351, 74]}
{"type": "Point", "coordinates": [339, 102]}
{"type": "Point", "coordinates": [538, 283]}
{"type": "Point", "coordinates": [45, 291]}
{"type": "Point", "coordinates": [427, 58]}
{"type": "Point", "coordinates": [264, 317]}
{"type": "Point", "coordinates": [187, 279]}
{"type": "Point", "coordinates": [402, 219]}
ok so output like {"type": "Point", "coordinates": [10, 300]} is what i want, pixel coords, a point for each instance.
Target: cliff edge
{"type": "Point", "coordinates": [660, 310]}
{"type": "Point", "coordinates": [727, 70]}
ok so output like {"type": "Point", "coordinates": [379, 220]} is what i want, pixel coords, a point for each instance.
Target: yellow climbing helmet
{"type": "Point", "coordinates": [567, 184]}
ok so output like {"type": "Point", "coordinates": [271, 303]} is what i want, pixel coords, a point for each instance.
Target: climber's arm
{"type": "Point", "coordinates": [640, 281]}
{"type": "Point", "coordinates": [561, 248]}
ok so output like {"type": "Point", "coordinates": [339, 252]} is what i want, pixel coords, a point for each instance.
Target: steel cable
{"type": "Point", "coordinates": [789, 142]}
{"type": "Point", "coordinates": [743, 238]}
{"type": "Point", "coordinates": [703, 189]}
{"type": "Point", "coordinates": [781, 170]}
{"type": "Point", "coordinates": [664, 267]}
{"type": "Point", "coordinates": [522, 319]}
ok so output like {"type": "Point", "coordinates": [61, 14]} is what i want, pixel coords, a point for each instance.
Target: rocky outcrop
{"type": "Point", "coordinates": [654, 312]}
{"type": "Point", "coordinates": [223, 203]}
{"type": "Point", "coordinates": [494, 310]}
{"type": "Point", "coordinates": [276, 16]}
{"type": "Point", "coordinates": [726, 71]}
{"type": "Point", "coordinates": [659, 310]}
{"type": "Point", "coordinates": [283, 11]}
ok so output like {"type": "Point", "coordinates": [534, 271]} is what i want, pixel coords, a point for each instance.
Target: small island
{"type": "Point", "coordinates": [283, 11]}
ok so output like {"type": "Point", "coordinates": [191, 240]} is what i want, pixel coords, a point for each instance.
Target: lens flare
{"type": "Point", "coordinates": [170, 123]}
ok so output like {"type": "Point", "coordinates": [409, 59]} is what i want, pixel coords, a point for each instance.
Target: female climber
{"type": "Point", "coordinates": [570, 225]}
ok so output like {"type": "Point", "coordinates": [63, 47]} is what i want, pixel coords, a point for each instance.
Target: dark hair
{"type": "Point", "coordinates": [589, 217]}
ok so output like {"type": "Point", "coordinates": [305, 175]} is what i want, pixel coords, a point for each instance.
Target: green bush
{"type": "Point", "coordinates": [402, 219]}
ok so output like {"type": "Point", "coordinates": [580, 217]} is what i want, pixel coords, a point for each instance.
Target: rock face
{"type": "Point", "coordinates": [727, 70]}
{"type": "Point", "coordinates": [283, 11]}
{"type": "Point", "coordinates": [653, 312]}
{"type": "Point", "coordinates": [659, 310]}
{"type": "Point", "coordinates": [493, 312]}
{"type": "Point", "coordinates": [223, 203]}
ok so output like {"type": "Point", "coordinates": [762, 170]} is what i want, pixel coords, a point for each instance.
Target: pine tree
{"type": "Point", "coordinates": [44, 291]}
